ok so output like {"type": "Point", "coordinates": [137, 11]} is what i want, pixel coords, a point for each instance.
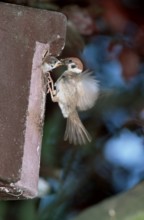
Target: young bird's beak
{"type": "Point", "coordinates": [62, 61]}
{"type": "Point", "coordinates": [59, 63]}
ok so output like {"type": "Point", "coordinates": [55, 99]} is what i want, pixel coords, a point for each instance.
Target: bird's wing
{"type": "Point", "coordinates": [88, 90]}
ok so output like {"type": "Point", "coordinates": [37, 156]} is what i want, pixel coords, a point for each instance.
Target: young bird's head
{"type": "Point", "coordinates": [50, 64]}
{"type": "Point", "coordinates": [73, 64]}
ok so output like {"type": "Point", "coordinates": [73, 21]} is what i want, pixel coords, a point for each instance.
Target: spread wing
{"type": "Point", "coordinates": [88, 90]}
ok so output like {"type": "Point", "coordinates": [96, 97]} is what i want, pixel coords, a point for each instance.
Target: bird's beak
{"type": "Point", "coordinates": [59, 64]}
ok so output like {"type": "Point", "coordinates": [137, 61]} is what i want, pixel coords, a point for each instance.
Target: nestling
{"type": "Point", "coordinates": [50, 63]}
{"type": "Point", "coordinates": [75, 90]}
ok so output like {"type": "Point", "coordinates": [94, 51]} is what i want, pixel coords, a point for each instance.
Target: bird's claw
{"type": "Point", "coordinates": [51, 89]}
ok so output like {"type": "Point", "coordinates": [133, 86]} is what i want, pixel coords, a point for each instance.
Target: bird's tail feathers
{"type": "Point", "coordinates": [75, 131]}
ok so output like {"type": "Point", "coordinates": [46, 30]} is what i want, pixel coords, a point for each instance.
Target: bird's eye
{"type": "Point", "coordinates": [73, 66]}
{"type": "Point", "coordinates": [54, 61]}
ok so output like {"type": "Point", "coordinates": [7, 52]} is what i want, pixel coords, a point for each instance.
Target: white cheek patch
{"type": "Point", "coordinates": [78, 70]}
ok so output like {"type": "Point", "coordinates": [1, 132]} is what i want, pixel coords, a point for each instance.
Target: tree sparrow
{"type": "Point", "coordinates": [75, 90]}
{"type": "Point", "coordinates": [50, 63]}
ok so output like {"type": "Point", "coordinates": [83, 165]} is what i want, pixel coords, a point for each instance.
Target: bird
{"type": "Point", "coordinates": [50, 63]}
{"type": "Point", "coordinates": [75, 90]}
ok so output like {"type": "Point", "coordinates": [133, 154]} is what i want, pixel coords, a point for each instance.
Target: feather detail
{"type": "Point", "coordinates": [75, 131]}
{"type": "Point", "coordinates": [88, 90]}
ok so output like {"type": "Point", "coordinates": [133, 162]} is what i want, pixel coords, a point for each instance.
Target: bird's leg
{"type": "Point", "coordinates": [51, 89]}
{"type": "Point", "coordinates": [50, 82]}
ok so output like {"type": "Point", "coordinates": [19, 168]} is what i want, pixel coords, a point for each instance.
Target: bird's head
{"type": "Point", "coordinates": [50, 64]}
{"type": "Point", "coordinates": [73, 64]}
